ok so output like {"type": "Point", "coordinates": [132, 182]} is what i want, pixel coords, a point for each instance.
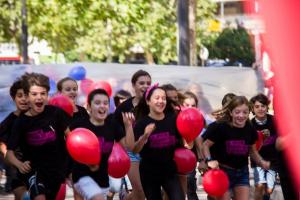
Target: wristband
{"type": "Point", "coordinates": [208, 159]}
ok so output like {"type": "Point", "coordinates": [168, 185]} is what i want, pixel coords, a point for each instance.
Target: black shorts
{"type": "Point", "coordinates": [38, 184]}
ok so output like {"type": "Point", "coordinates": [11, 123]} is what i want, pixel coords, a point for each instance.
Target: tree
{"type": "Point", "coordinates": [235, 45]}
{"type": "Point", "coordinates": [100, 30]}
{"type": "Point", "coordinates": [10, 18]}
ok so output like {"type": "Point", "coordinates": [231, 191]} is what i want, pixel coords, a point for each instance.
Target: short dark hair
{"type": "Point", "coordinates": [261, 98]}
{"type": "Point", "coordinates": [61, 82]}
{"type": "Point", "coordinates": [169, 87]}
{"type": "Point", "coordinates": [93, 93]}
{"type": "Point", "coordinates": [227, 98]}
{"type": "Point", "coordinates": [119, 95]}
{"type": "Point", "coordinates": [15, 87]}
{"type": "Point", "coordinates": [31, 79]}
{"type": "Point", "coordinates": [138, 74]}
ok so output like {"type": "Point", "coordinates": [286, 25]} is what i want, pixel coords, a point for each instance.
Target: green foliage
{"type": "Point", "coordinates": [98, 30]}
{"type": "Point", "coordinates": [10, 21]}
{"type": "Point", "coordinates": [232, 44]}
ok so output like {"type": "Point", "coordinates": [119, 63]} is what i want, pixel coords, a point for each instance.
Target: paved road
{"type": "Point", "coordinates": [277, 194]}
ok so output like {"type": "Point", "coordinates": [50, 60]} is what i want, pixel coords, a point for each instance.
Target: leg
{"type": "Point", "coordinates": [192, 186]}
{"type": "Point", "coordinates": [259, 191]}
{"type": "Point", "coordinates": [151, 186]}
{"type": "Point", "coordinates": [241, 192]}
{"type": "Point", "coordinates": [135, 180]}
{"type": "Point", "coordinates": [271, 179]}
{"type": "Point", "coordinates": [19, 192]}
{"type": "Point", "coordinates": [173, 188]}
{"type": "Point", "coordinates": [260, 182]}
{"type": "Point", "coordinates": [183, 182]}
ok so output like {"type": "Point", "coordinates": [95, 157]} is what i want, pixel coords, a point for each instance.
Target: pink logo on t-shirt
{"type": "Point", "coordinates": [40, 137]}
{"type": "Point", "coordinates": [161, 140]}
{"type": "Point", "coordinates": [106, 146]}
{"type": "Point", "coordinates": [269, 140]}
{"type": "Point", "coordinates": [237, 147]}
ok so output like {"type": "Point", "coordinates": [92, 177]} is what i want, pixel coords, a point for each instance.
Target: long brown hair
{"type": "Point", "coordinates": [235, 102]}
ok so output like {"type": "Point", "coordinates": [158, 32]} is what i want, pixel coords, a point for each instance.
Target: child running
{"type": "Point", "coordinates": [13, 182]}
{"type": "Point", "coordinates": [40, 133]}
{"type": "Point", "coordinates": [234, 139]}
{"type": "Point", "coordinates": [92, 182]}
{"type": "Point", "coordinates": [157, 138]}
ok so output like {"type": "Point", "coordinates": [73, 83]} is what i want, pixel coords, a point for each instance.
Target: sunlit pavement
{"type": "Point", "coordinates": [277, 194]}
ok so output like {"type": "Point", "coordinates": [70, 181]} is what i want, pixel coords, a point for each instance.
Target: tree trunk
{"type": "Point", "coordinates": [149, 57]}
{"type": "Point", "coordinates": [24, 38]}
{"type": "Point", "coordinates": [183, 32]}
{"type": "Point", "coordinates": [192, 32]}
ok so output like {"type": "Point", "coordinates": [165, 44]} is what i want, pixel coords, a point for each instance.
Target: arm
{"type": "Point", "coordinates": [128, 140]}
{"type": "Point", "coordinates": [67, 132]}
{"type": "Point", "coordinates": [143, 139]}
{"type": "Point", "coordinates": [257, 158]}
{"type": "Point", "coordinates": [202, 167]}
{"type": "Point", "coordinates": [214, 164]}
{"type": "Point", "coordinates": [199, 147]}
{"type": "Point", "coordinates": [23, 167]}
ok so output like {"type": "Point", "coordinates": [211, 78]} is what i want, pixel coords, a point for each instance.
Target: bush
{"type": "Point", "coordinates": [233, 44]}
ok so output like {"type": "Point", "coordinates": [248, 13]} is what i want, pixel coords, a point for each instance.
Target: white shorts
{"type": "Point", "coordinates": [116, 184]}
{"type": "Point", "coordinates": [88, 188]}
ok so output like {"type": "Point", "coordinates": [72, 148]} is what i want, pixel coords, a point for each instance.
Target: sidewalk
{"type": "Point", "coordinates": [276, 195]}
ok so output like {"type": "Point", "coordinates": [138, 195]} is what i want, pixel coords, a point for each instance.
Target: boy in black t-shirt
{"type": "Point", "coordinates": [262, 121]}
{"type": "Point", "coordinates": [93, 181]}
{"type": "Point", "coordinates": [20, 100]}
{"type": "Point", "coordinates": [39, 133]}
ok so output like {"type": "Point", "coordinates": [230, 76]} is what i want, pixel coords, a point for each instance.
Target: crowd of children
{"type": "Point", "coordinates": [35, 158]}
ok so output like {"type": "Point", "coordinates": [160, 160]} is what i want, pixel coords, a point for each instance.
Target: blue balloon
{"type": "Point", "coordinates": [78, 73]}
{"type": "Point", "coordinates": [52, 84]}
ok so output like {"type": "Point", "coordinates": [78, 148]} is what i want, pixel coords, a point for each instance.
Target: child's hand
{"type": "Point", "coordinates": [93, 168]}
{"type": "Point", "coordinates": [24, 167]}
{"type": "Point", "coordinates": [128, 118]}
{"type": "Point", "coordinates": [266, 133]}
{"type": "Point", "coordinates": [148, 130]}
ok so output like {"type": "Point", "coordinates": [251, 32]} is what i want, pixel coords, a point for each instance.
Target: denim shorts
{"type": "Point", "coordinates": [264, 176]}
{"type": "Point", "coordinates": [134, 157]}
{"type": "Point", "coordinates": [237, 177]}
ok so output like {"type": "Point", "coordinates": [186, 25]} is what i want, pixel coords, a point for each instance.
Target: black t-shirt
{"type": "Point", "coordinates": [6, 126]}
{"type": "Point", "coordinates": [107, 134]}
{"type": "Point", "coordinates": [232, 144]}
{"type": "Point", "coordinates": [126, 106]}
{"type": "Point", "coordinates": [81, 114]}
{"type": "Point", "coordinates": [158, 152]}
{"type": "Point", "coordinates": [41, 140]}
{"type": "Point", "coordinates": [213, 150]}
{"type": "Point", "coordinates": [268, 150]}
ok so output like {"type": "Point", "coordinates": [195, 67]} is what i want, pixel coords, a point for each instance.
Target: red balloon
{"type": "Point", "coordinates": [85, 85]}
{"type": "Point", "coordinates": [101, 85]}
{"type": "Point", "coordinates": [185, 160]}
{"type": "Point", "coordinates": [118, 162]}
{"type": "Point", "coordinates": [61, 194]}
{"type": "Point", "coordinates": [190, 123]}
{"type": "Point", "coordinates": [215, 182]}
{"type": "Point", "coordinates": [62, 102]}
{"type": "Point", "coordinates": [260, 140]}
{"type": "Point", "coordinates": [283, 41]}
{"type": "Point", "coordinates": [84, 146]}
